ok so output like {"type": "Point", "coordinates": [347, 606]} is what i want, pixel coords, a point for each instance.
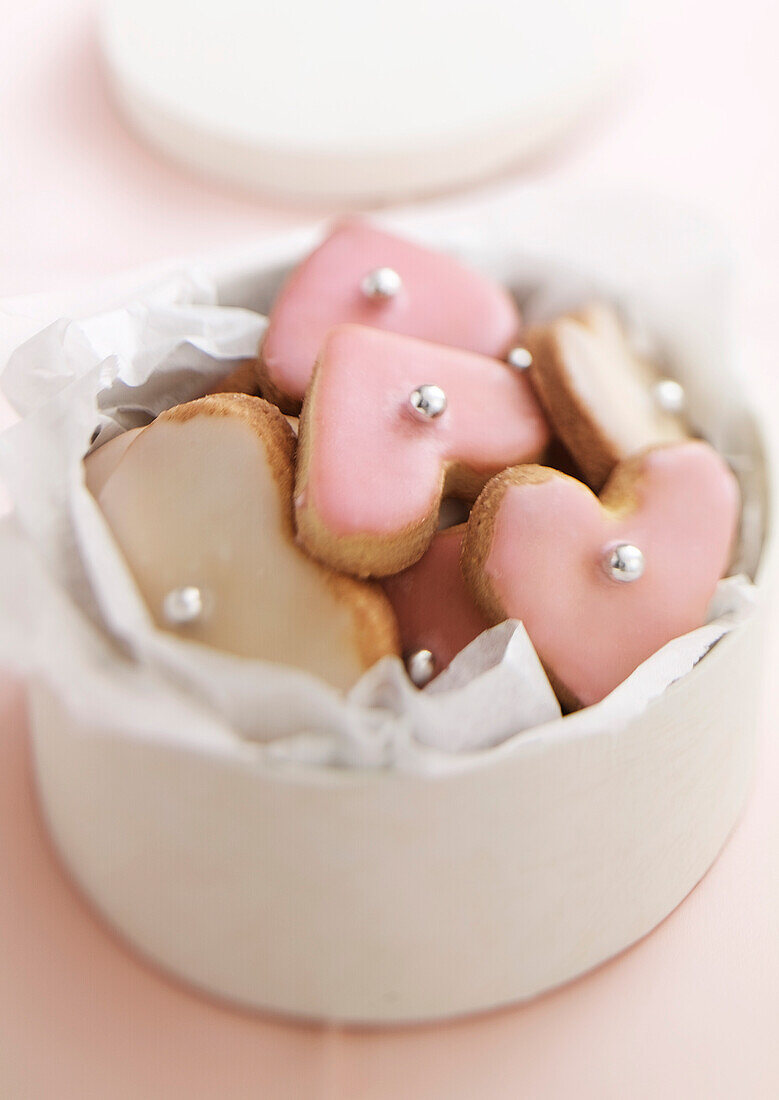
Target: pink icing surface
{"type": "Point", "coordinates": [374, 466]}
{"type": "Point", "coordinates": [433, 605]}
{"type": "Point", "coordinates": [592, 631]}
{"type": "Point", "coordinates": [440, 301]}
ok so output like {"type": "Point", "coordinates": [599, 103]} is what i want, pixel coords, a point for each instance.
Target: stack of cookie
{"type": "Point", "coordinates": [451, 470]}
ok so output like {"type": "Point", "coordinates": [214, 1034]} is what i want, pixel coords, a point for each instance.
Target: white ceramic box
{"type": "Point", "coordinates": [376, 895]}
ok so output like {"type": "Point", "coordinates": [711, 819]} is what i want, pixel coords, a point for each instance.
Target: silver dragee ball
{"type": "Point", "coordinates": [519, 358]}
{"type": "Point", "coordinates": [182, 606]}
{"type": "Point", "coordinates": [421, 667]}
{"type": "Point", "coordinates": [381, 284]}
{"type": "Point", "coordinates": [428, 401]}
{"type": "Point", "coordinates": [670, 396]}
{"type": "Point", "coordinates": [624, 562]}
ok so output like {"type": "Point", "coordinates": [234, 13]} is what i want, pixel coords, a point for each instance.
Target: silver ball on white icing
{"type": "Point", "coordinates": [428, 401]}
{"type": "Point", "coordinates": [670, 396]}
{"type": "Point", "coordinates": [183, 606]}
{"type": "Point", "coordinates": [421, 667]}
{"type": "Point", "coordinates": [624, 562]}
{"type": "Point", "coordinates": [381, 284]}
{"type": "Point", "coordinates": [519, 358]}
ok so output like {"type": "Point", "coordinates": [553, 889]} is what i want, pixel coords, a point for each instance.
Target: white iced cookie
{"type": "Point", "coordinates": [604, 401]}
{"type": "Point", "coordinates": [100, 464]}
{"type": "Point", "coordinates": [201, 506]}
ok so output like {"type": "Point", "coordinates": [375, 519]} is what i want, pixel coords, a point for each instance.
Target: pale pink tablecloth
{"type": "Point", "coordinates": [692, 1011]}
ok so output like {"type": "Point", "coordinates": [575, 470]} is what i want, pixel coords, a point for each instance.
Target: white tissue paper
{"type": "Point", "coordinates": [70, 614]}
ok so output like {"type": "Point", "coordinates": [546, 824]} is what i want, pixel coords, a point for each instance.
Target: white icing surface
{"type": "Point", "coordinates": [614, 384]}
{"type": "Point", "coordinates": [100, 464]}
{"type": "Point", "coordinates": [196, 503]}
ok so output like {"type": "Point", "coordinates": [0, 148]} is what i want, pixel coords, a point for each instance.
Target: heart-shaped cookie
{"type": "Point", "coordinates": [604, 401]}
{"type": "Point", "coordinates": [365, 276]}
{"type": "Point", "coordinates": [200, 504]}
{"type": "Point", "coordinates": [600, 585]}
{"type": "Point", "coordinates": [435, 609]}
{"type": "Point", "coordinates": [390, 423]}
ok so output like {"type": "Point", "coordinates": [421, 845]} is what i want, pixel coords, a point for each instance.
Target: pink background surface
{"type": "Point", "coordinates": [693, 1010]}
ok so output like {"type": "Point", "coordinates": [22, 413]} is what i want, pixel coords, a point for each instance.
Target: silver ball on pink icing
{"type": "Point", "coordinates": [381, 284]}
{"type": "Point", "coordinates": [624, 562]}
{"type": "Point", "coordinates": [428, 401]}
{"type": "Point", "coordinates": [519, 358]}
{"type": "Point", "coordinates": [421, 667]}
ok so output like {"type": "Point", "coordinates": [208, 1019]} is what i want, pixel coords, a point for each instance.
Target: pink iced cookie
{"type": "Point", "coordinates": [602, 584]}
{"type": "Point", "coordinates": [367, 277]}
{"type": "Point", "coordinates": [434, 607]}
{"type": "Point", "coordinates": [389, 425]}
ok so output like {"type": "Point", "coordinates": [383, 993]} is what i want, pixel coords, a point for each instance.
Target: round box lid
{"type": "Point", "coordinates": [355, 101]}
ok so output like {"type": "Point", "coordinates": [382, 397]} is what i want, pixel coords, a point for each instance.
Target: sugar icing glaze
{"type": "Point", "coordinates": [598, 392]}
{"type": "Point", "coordinates": [440, 300]}
{"type": "Point", "coordinates": [613, 383]}
{"type": "Point", "coordinates": [433, 605]}
{"type": "Point", "coordinates": [544, 564]}
{"type": "Point", "coordinates": [374, 467]}
{"type": "Point", "coordinates": [100, 464]}
{"type": "Point", "coordinates": [198, 502]}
